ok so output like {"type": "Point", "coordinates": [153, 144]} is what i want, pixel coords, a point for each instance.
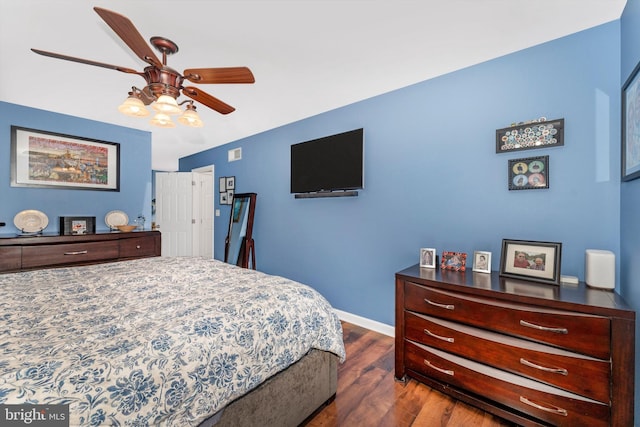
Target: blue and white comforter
{"type": "Point", "coordinates": [156, 341]}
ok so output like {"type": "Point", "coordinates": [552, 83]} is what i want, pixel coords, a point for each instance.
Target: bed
{"type": "Point", "coordinates": [167, 341]}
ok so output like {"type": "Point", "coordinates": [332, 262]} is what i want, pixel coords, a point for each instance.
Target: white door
{"type": "Point", "coordinates": [174, 212]}
{"type": "Point", "coordinates": [204, 218]}
{"type": "Point", "coordinates": [184, 212]}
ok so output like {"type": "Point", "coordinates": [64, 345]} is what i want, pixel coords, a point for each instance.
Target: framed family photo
{"type": "Point", "coordinates": [456, 261]}
{"type": "Point", "coordinates": [482, 262]}
{"type": "Point", "coordinates": [53, 160]}
{"type": "Point", "coordinates": [530, 260]}
{"type": "Point", "coordinates": [428, 257]}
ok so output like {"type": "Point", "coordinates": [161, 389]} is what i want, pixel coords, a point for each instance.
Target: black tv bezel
{"type": "Point", "coordinates": [332, 189]}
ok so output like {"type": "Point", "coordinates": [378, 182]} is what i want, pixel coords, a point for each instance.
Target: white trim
{"type": "Point", "coordinates": [367, 323]}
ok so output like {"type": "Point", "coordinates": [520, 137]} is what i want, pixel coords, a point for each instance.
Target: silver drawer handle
{"type": "Point", "coordinates": [544, 368]}
{"type": "Point", "coordinates": [554, 410]}
{"type": "Point", "coordinates": [444, 371]}
{"type": "Point", "coordinates": [544, 328]}
{"type": "Point", "coordinates": [76, 253]}
{"type": "Point", "coordinates": [447, 339]}
{"type": "Point", "coordinates": [445, 306]}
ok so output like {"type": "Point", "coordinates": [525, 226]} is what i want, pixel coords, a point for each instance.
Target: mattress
{"type": "Point", "coordinates": [154, 341]}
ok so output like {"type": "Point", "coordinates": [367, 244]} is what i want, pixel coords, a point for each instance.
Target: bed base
{"type": "Point", "coordinates": [289, 398]}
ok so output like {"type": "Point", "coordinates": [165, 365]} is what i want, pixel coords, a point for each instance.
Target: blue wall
{"type": "Point", "coordinates": [630, 191]}
{"type": "Point", "coordinates": [133, 198]}
{"type": "Point", "coordinates": [433, 178]}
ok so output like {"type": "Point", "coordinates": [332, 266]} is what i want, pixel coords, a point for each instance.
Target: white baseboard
{"type": "Point", "coordinates": [367, 323]}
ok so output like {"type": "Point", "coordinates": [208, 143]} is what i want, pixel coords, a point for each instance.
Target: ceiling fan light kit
{"type": "Point", "coordinates": [164, 84]}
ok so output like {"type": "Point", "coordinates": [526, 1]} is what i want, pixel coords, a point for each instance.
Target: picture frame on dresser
{"type": "Point", "coordinates": [455, 261]}
{"type": "Point", "coordinates": [482, 261]}
{"type": "Point", "coordinates": [531, 260]}
{"type": "Point", "coordinates": [53, 160]}
{"type": "Point", "coordinates": [427, 258]}
{"type": "Point", "coordinates": [77, 225]}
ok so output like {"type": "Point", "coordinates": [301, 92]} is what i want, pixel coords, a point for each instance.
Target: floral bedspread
{"type": "Point", "coordinates": [155, 341]}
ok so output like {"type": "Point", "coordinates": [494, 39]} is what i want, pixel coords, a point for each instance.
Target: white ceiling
{"type": "Point", "coordinates": [308, 56]}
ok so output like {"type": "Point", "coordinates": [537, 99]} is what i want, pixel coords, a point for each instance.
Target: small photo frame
{"type": "Point", "coordinates": [223, 198]}
{"type": "Point", "coordinates": [231, 183]}
{"type": "Point", "coordinates": [230, 194]}
{"type": "Point", "coordinates": [531, 173]}
{"type": "Point", "coordinates": [482, 262]}
{"type": "Point", "coordinates": [456, 261]}
{"type": "Point", "coordinates": [427, 258]}
{"type": "Point", "coordinates": [530, 260]}
{"type": "Point", "coordinates": [77, 225]}
{"type": "Point", "coordinates": [222, 183]}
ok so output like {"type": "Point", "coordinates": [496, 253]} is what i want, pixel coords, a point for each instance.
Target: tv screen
{"type": "Point", "coordinates": [331, 163]}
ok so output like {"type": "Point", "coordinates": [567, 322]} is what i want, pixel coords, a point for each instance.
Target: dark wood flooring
{"type": "Point", "coordinates": [368, 394]}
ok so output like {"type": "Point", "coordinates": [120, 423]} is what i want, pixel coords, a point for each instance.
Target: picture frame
{"type": "Point", "coordinates": [539, 133]}
{"type": "Point", "coordinates": [222, 184]}
{"type": "Point", "coordinates": [427, 258]}
{"type": "Point", "coordinates": [482, 261]}
{"type": "Point", "coordinates": [223, 198]}
{"type": "Point", "coordinates": [456, 261]}
{"type": "Point", "coordinates": [53, 160]}
{"type": "Point", "coordinates": [531, 260]}
{"type": "Point", "coordinates": [531, 173]}
{"type": "Point", "coordinates": [630, 150]}
{"type": "Point", "coordinates": [231, 183]}
{"type": "Point", "coordinates": [77, 225]}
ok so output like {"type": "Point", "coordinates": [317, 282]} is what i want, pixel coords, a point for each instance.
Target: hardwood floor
{"type": "Point", "coordinates": [368, 394]}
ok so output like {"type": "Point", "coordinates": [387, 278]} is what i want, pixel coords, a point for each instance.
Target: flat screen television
{"type": "Point", "coordinates": [328, 164]}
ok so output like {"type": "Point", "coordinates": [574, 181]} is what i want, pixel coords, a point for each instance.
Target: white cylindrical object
{"type": "Point", "coordinates": [600, 268]}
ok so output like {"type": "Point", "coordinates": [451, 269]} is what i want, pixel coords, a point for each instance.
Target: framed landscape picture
{"type": "Point", "coordinates": [53, 160]}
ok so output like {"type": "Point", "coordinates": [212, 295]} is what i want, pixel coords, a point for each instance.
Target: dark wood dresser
{"type": "Point", "coordinates": [45, 251]}
{"type": "Point", "coordinates": [531, 353]}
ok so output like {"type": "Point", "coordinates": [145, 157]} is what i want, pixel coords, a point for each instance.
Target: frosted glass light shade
{"type": "Point", "coordinates": [162, 120]}
{"type": "Point", "coordinates": [133, 106]}
{"type": "Point", "coordinates": [190, 118]}
{"type": "Point", "coordinates": [167, 105]}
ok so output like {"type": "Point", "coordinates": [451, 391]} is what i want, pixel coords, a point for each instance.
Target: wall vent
{"type": "Point", "coordinates": [235, 154]}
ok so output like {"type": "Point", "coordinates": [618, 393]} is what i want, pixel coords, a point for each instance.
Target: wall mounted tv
{"type": "Point", "coordinates": [328, 167]}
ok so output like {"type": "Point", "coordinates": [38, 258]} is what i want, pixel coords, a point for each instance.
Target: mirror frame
{"type": "Point", "coordinates": [247, 248]}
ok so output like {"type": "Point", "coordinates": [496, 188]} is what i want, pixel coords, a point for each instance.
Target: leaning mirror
{"type": "Point", "coordinates": [238, 246]}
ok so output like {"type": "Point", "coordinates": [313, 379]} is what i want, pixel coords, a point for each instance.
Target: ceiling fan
{"type": "Point", "coordinates": [164, 84]}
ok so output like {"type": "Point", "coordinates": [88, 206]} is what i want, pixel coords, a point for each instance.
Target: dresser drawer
{"type": "Point", "coordinates": [137, 247]}
{"type": "Point", "coordinates": [579, 374]}
{"type": "Point", "coordinates": [541, 401]}
{"type": "Point", "coordinates": [51, 255]}
{"type": "Point", "coordinates": [578, 332]}
{"type": "Point", "coordinates": [10, 258]}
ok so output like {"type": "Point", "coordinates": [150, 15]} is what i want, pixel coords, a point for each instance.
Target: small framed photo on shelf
{"type": "Point", "coordinates": [456, 261]}
{"type": "Point", "coordinates": [529, 174]}
{"type": "Point", "coordinates": [536, 261]}
{"type": "Point", "coordinates": [427, 258]}
{"type": "Point", "coordinates": [482, 262]}
{"type": "Point", "coordinates": [77, 225]}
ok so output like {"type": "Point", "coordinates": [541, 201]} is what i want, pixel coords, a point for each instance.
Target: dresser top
{"type": "Point", "coordinates": [578, 297]}
{"type": "Point", "coordinates": [54, 238]}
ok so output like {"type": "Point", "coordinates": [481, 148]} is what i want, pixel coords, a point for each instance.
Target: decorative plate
{"type": "Point", "coordinates": [31, 221]}
{"type": "Point", "coordinates": [115, 218]}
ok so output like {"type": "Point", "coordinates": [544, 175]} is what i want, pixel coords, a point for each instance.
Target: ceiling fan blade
{"type": "Point", "coordinates": [219, 75]}
{"type": "Point", "coordinates": [208, 100]}
{"type": "Point", "coordinates": [125, 29]}
{"type": "Point", "coordinates": [86, 61]}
